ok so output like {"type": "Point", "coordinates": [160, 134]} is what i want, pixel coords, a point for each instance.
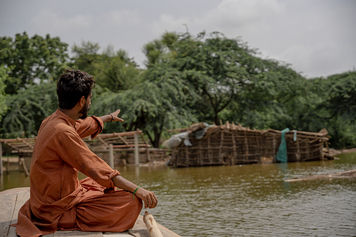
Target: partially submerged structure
{"type": "Point", "coordinates": [230, 144]}
{"type": "Point", "coordinates": [125, 148]}
{"type": "Point", "coordinates": [114, 148]}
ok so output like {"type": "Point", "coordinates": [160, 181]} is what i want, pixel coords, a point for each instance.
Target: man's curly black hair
{"type": "Point", "coordinates": [71, 86]}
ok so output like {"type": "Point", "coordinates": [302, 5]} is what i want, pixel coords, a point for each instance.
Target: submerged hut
{"type": "Point", "coordinates": [230, 144]}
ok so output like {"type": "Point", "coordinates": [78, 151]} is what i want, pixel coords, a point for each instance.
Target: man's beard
{"type": "Point", "coordinates": [84, 111]}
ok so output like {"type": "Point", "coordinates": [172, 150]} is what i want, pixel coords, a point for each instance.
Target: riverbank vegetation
{"type": "Point", "coordinates": [186, 79]}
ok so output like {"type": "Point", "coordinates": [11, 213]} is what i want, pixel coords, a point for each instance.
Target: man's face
{"type": "Point", "coordinates": [86, 108]}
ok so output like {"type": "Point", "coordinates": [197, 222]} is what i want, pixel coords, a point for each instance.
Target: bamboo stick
{"type": "Point", "coordinates": [148, 155]}
{"type": "Point", "coordinates": [22, 160]}
{"type": "Point", "coordinates": [298, 151]}
{"type": "Point", "coordinates": [130, 146]}
{"type": "Point", "coordinates": [221, 145]}
{"type": "Point", "coordinates": [0, 158]}
{"type": "Point", "coordinates": [200, 162]}
{"type": "Point", "coordinates": [16, 140]}
{"type": "Point", "coordinates": [111, 156]}
{"type": "Point", "coordinates": [8, 165]}
{"type": "Point", "coordinates": [234, 147]}
{"type": "Point", "coordinates": [246, 144]}
{"type": "Point", "coordinates": [137, 154]}
{"type": "Point", "coordinates": [209, 151]}
{"type": "Point", "coordinates": [258, 144]}
{"type": "Point", "coordinates": [151, 225]}
{"type": "Point", "coordinates": [122, 139]}
{"type": "Point", "coordinates": [186, 156]}
{"type": "Point", "coordinates": [28, 144]}
{"type": "Point", "coordinates": [102, 141]}
{"type": "Point", "coordinates": [346, 174]}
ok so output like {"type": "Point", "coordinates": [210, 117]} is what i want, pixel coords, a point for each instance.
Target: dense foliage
{"type": "Point", "coordinates": [28, 108]}
{"type": "Point", "coordinates": [3, 77]}
{"type": "Point", "coordinates": [187, 79]}
{"type": "Point", "coordinates": [30, 59]}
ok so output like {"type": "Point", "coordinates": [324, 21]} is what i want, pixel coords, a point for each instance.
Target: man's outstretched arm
{"type": "Point", "coordinates": [111, 117]}
{"type": "Point", "coordinates": [93, 125]}
{"type": "Point", "coordinates": [148, 197]}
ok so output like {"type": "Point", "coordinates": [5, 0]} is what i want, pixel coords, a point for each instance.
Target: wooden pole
{"type": "Point", "coordinates": [187, 163]}
{"type": "Point", "coordinates": [246, 145]}
{"type": "Point", "coordinates": [151, 225]}
{"type": "Point", "coordinates": [24, 167]}
{"type": "Point", "coordinates": [137, 157]}
{"type": "Point", "coordinates": [209, 151]}
{"type": "Point", "coordinates": [148, 155]}
{"type": "Point", "coordinates": [321, 145]}
{"type": "Point", "coordinates": [0, 158]}
{"type": "Point", "coordinates": [220, 147]}
{"type": "Point", "coordinates": [258, 145]}
{"type": "Point", "coordinates": [308, 150]}
{"type": "Point", "coordinates": [274, 146]}
{"type": "Point", "coordinates": [234, 147]}
{"type": "Point", "coordinates": [8, 165]}
{"type": "Point", "coordinates": [200, 151]}
{"type": "Point", "coordinates": [298, 151]}
{"type": "Point", "coordinates": [111, 156]}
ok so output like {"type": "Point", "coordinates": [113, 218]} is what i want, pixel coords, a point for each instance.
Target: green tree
{"type": "Point", "coordinates": [160, 50]}
{"type": "Point", "coordinates": [218, 67]}
{"type": "Point", "coordinates": [339, 101]}
{"type": "Point", "coordinates": [85, 56]}
{"type": "Point", "coordinates": [28, 109]}
{"type": "Point", "coordinates": [3, 77]}
{"type": "Point", "coordinates": [342, 95]}
{"type": "Point", "coordinates": [276, 94]}
{"type": "Point", "coordinates": [31, 59]}
{"type": "Point", "coordinates": [116, 71]}
{"type": "Point", "coordinates": [155, 105]}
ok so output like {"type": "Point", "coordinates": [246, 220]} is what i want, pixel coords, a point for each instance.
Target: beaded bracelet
{"type": "Point", "coordinates": [112, 117]}
{"type": "Point", "coordinates": [133, 195]}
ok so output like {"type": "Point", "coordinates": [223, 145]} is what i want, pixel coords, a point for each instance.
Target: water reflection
{"type": "Point", "coordinates": [14, 179]}
{"type": "Point", "coordinates": [284, 171]}
{"type": "Point", "coordinates": [247, 200]}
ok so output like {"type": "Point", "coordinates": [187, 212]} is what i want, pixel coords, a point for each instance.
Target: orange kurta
{"type": "Point", "coordinates": [58, 200]}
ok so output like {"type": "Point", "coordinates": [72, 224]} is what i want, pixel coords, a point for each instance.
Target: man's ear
{"type": "Point", "coordinates": [82, 101]}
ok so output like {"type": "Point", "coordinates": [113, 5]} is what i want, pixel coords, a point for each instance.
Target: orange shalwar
{"type": "Point", "coordinates": [58, 200]}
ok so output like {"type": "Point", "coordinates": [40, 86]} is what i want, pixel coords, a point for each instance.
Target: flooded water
{"type": "Point", "coordinates": [249, 200]}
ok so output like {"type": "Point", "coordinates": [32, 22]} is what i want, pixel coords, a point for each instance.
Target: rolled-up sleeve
{"type": "Point", "coordinates": [90, 126]}
{"type": "Point", "coordinates": [75, 153]}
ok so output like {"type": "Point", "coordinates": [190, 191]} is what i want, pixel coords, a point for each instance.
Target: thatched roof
{"type": "Point", "coordinates": [233, 127]}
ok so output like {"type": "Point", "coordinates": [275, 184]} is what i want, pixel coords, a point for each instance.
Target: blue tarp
{"type": "Point", "coordinates": [282, 150]}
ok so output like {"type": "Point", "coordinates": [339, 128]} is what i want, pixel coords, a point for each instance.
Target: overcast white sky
{"type": "Point", "coordinates": [317, 37]}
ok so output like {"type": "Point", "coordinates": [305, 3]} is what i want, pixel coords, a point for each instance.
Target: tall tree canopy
{"type": "Point", "coordinates": [217, 67]}
{"type": "Point", "coordinates": [342, 94]}
{"type": "Point", "coordinates": [340, 103]}
{"type": "Point", "coordinates": [160, 50]}
{"type": "Point", "coordinates": [85, 56]}
{"type": "Point", "coordinates": [271, 97]}
{"type": "Point", "coordinates": [28, 59]}
{"type": "Point", "coordinates": [115, 71]}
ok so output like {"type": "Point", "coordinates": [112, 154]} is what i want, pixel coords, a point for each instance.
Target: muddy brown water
{"type": "Point", "coordinates": [248, 200]}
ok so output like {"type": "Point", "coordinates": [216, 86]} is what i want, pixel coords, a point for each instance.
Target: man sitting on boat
{"type": "Point", "coordinates": [105, 201]}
